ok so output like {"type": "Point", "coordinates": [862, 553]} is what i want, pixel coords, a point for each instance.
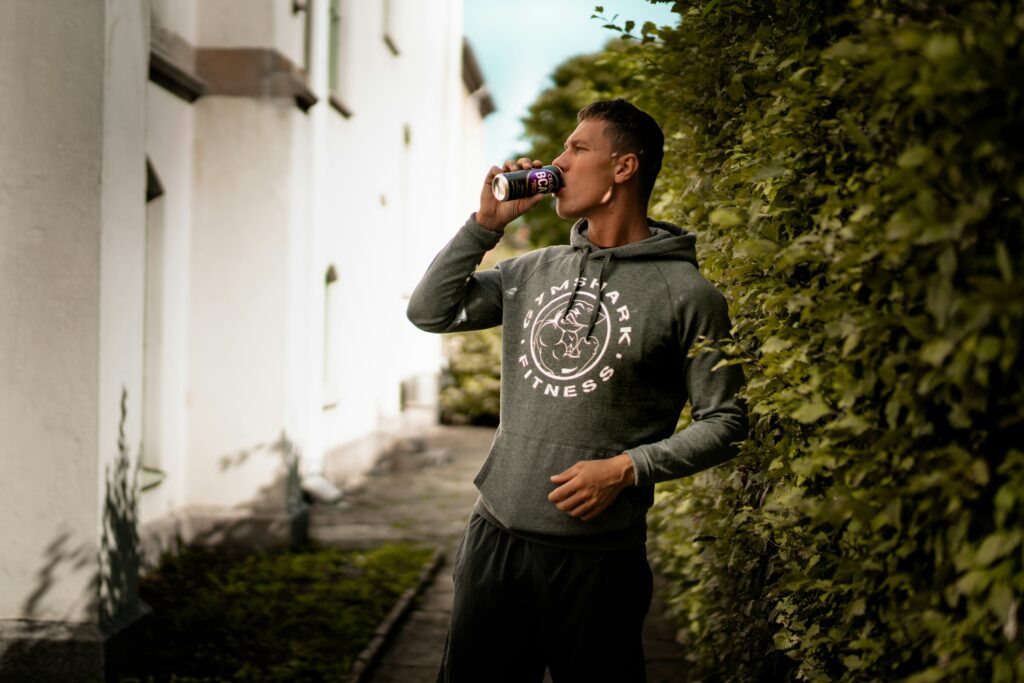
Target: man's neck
{"type": "Point", "coordinates": [610, 228]}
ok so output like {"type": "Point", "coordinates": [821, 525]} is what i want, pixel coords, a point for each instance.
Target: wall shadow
{"type": "Point", "coordinates": [38, 647]}
{"type": "Point", "coordinates": [277, 514]}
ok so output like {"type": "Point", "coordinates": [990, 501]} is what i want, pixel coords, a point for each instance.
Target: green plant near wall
{"type": "Point", "coordinates": [300, 615]}
{"type": "Point", "coordinates": [470, 389]}
{"type": "Point", "coordinates": [855, 174]}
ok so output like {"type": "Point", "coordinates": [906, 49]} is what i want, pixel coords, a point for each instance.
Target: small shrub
{"type": "Point", "coordinates": [470, 386]}
{"type": "Point", "coordinates": [295, 616]}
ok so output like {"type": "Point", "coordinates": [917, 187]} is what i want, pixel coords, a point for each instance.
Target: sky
{"type": "Point", "coordinates": [519, 44]}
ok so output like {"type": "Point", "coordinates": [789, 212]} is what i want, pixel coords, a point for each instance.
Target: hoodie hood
{"type": "Point", "coordinates": [667, 241]}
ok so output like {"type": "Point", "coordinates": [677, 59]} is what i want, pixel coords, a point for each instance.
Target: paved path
{"type": "Point", "coordinates": [426, 494]}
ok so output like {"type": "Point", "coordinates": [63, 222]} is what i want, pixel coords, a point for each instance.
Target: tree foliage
{"type": "Point", "coordinates": [855, 174]}
{"type": "Point", "coordinates": [552, 117]}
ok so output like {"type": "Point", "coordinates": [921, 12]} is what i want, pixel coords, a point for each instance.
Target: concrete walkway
{"type": "Point", "coordinates": [425, 494]}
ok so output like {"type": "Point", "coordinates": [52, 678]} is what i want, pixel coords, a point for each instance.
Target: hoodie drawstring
{"type": "Point", "coordinates": [600, 286]}
{"type": "Point", "coordinates": [584, 253]}
{"type": "Point", "coordinates": [594, 314]}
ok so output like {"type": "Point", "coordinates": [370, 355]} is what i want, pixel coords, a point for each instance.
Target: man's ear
{"type": "Point", "coordinates": [626, 166]}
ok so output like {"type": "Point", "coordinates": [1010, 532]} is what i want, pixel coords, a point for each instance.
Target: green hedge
{"type": "Point", "coordinates": [854, 172]}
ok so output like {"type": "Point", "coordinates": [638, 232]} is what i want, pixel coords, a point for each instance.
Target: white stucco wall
{"type": "Point", "coordinates": [238, 336]}
{"type": "Point", "coordinates": [389, 205]}
{"type": "Point", "coordinates": [50, 226]}
{"type": "Point", "coordinates": [206, 310]}
{"type": "Point", "coordinates": [71, 249]}
{"type": "Point", "coordinates": [179, 16]}
{"type": "Point", "coordinates": [169, 135]}
{"type": "Point", "coordinates": [122, 290]}
{"type": "Point", "coordinates": [253, 23]}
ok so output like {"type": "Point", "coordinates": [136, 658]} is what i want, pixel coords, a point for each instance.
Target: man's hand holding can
{"type": "Point", "coordinates": [495, 214]}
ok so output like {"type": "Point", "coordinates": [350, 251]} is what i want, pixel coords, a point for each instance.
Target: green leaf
{"type": "Point", "coordinates": [1002, 603]}
{"type": "Point", "coordinates": [989, 348]}
{"type": "Point", "coordinates": [710, 6]}
{"type": "Point", "coordinates": [1003, 261]}
{"type": "Point", "coordinates": [931, 675]}
{"type": "Point", "coordinates": [756, 247]}
{"type": "Point", "coordinates": [936, 351]}
{"type": "Point", "coordinates": [914, 156]}
{"type": "Point", "coordinates": [994, 547]}
{"type": "Point", "coordinates": [775, 345]}
{"type": "Point", "coordinates": [852, 423]}
{"type": "Point", "coordinates": [725, 218]}
{"type": "Point", "coordinates": [974, 582]}
{"type": "Point", "coordinates": [853, 662]}
{"type": "Point", "coordinates": [811, 411]}
{"type": "Point", "coordinates": [942, 47]}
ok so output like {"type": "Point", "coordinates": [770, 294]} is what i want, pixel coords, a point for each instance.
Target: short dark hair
{"type": "Point", "coordinates": [631, 130]}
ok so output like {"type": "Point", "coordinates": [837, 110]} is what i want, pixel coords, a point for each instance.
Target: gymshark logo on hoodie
{"type": "Point", "coordinates": [567, 348]}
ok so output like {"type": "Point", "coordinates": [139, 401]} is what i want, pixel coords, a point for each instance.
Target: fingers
{"type": "Point", "coordinates": [585, 490]}
{"type": "Point", "coordinates": [494, 170]}
{"type": "Point", "coordinates": [520, 164]}
{"type": "Point", "coordinates": [534, 200]}
{"type": "Point", "coordinates": [563, 477]}
{"type": "Point", "coordinates": [572, 497]}
{"type": "Point", "coordinates": [562, 492]}
{"type": "Point", "coordinates": [579, 505]}
{"type": "Point", "coordinates": [583, 507]}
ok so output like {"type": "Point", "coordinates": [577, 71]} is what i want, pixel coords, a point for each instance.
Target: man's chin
{"type": "Point", "coordinates": [561, 209]}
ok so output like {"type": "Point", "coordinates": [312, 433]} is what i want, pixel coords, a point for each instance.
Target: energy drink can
{"type": "Point", "coordinates": [520, 184]}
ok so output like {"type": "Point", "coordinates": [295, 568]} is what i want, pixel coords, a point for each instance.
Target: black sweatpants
{"type": "Point", "coordinates": [522, 606]}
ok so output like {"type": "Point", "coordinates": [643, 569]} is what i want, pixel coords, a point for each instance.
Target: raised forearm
{"type": "Point", "coordinates": [452, 296]}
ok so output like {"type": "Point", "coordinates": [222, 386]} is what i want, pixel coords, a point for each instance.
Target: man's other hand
{"type": "Point", "coordinates": [586, 489]}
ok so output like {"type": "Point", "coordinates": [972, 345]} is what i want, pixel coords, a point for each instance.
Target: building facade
{"type": "Point", "coordinates": [211, 215]}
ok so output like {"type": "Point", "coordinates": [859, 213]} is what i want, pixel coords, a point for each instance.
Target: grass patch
{"type": "Point", "coordinates": [300, 616]}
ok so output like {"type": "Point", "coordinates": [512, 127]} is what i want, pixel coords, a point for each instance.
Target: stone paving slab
{"type": "Point", "coordinates": [412, 497]}
{"type": "Point", "coordinates": [415, 496]}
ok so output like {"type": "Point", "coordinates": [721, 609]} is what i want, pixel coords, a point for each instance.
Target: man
{"type": "Point", "coordinates": [552, 571]}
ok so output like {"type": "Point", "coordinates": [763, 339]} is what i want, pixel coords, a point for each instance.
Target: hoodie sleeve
{"type": "Point", "coordinates": [452, 296]}
{"type": "Point", "coordinates": [719, 416]}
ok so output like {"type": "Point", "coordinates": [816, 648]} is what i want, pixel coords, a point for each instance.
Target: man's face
{"type": "Point", "coordinates": [587, 164]}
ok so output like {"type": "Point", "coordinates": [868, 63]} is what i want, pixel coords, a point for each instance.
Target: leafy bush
{"type": "Point", "coordinates": [855, 172]}
{"type": "Point", "coordinates": [470, 388]}
{"type": "Point", "coordinates": [272, 615]}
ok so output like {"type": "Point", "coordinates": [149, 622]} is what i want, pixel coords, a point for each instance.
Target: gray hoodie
{"type": "Point", "coordinates": [594, 363]}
